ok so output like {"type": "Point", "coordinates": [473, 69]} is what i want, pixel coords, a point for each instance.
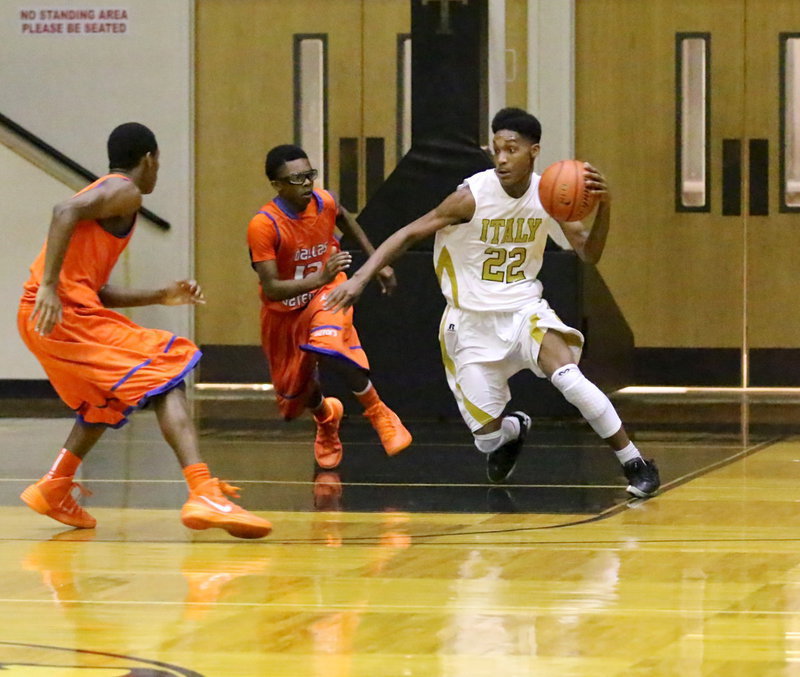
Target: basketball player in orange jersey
{"type": "Point", "coordinates": [103, 365]}
{"type": "Point", "coordinates": [490, 239]}
{"type": "Point", "coordinates": [298, 261]}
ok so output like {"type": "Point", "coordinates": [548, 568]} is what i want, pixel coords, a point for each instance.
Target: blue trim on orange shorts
{"type": "Point", "coordinates": [171, 341]}
{"type": "Point", "coordinates": [173, 383]}
{"type": "Point", "coordinates": [114, 426]}
{"type": "Point", "coordinates": [130, 373]}
{"type": "Point", "coordinates": [331, 353]}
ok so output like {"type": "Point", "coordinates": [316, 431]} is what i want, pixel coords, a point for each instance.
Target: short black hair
{"type": "Point", "coordinates": [279, 156]}
{"type": "Point", "coordinates": [520, 121]}
{"type": "Point", "coordinates": [128, 144]}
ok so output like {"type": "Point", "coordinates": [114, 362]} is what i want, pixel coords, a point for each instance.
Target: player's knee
{"type": "Point", "coordinates": [593, 404]}
{"type": "Point", "coordinates": [579, 391]}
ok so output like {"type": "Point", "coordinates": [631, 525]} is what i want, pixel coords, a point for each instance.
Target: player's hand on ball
{"type": "Point", "coordinates": [48, 309]}
{"type": "Point", "coordinates": [182, 292]}
{"type": "Point", "coordinates": [596, 182]}
{"type": "Point", "coordinates": [387, 280]}
{"type": "Point", "coordinates": [343, 296]}
{"type": "Point", "coordinates": [336, 263]}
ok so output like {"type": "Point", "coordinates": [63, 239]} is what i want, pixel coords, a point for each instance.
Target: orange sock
{"type": "Point", "coordinates": [323, 413]}
{"type": "Point", "coordinates": [196, 474]}
{"type": "Point", "coordinates": [368, 397]}
{"type": "Point", "coordinates": [66, 464]}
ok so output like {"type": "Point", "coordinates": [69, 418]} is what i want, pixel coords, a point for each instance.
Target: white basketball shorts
{"type": "Point", "coordinates": [482, 350]}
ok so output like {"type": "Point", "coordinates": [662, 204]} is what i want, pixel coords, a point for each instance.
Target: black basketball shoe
{"type": "Point", "coordinates": [501, 462]}
{"type": "Point", "coordinates": [642, 476]}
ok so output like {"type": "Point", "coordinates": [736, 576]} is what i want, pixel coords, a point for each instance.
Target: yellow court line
{"type": "Point", "coordinates": [689, 390]}
{"type": "Point", "coordinates": [447, 608]}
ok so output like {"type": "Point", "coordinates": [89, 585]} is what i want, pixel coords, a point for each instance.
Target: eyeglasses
{"type": "Point", "coordinates": [299, 178]}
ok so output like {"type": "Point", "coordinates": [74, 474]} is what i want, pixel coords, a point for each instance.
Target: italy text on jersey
{"type": "Point", "coordinates": [500, 231]}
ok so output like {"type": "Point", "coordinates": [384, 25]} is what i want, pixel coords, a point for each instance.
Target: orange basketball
{"type": "Point", "coordinates": [562, 191]}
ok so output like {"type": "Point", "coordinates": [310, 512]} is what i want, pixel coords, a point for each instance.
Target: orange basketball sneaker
{"type": "Point", "coordinates": [52, 496]}
{"type": "Point", "coordinates": [393, 434]}
{"type": "Point", "coordinates": [327, 491]}
{"type": "Point", "coordinates": [327, 445]}
{"type": "Point", "coordinates": [208, 507]}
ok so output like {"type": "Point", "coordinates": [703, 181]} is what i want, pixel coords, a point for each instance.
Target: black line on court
{"type": "Point", "coordinates": [610, 512]}
{"type": "Point", "coordinates": [174, 670]}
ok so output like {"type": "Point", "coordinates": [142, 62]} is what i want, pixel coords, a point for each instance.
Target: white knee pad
{"type": "Point", "coordinates": [509, 430]}
{"type": "Point", "coordinates": [594, 406]}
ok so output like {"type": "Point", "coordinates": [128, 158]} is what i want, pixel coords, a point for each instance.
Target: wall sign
{"type": "Point", "coordinates": [73, 20]}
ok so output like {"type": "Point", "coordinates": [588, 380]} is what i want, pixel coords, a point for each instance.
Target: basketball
{"type": "Point", "coordinates": [562, 191]}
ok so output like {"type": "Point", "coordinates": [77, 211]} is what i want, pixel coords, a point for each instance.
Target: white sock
{"type": "Point", "coordinates": [508, 430]}
{"type": "Point", "coordinates": [628, 453]}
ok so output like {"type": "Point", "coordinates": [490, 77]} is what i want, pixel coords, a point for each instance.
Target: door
{"type": "Point", "coordinates": [772, 199]}
{"type": "Point", "coordinates": [678, 102]}
{"type": "Point", "coordinates": [326, 74]}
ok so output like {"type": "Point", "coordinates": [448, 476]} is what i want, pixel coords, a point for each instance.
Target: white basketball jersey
{"type": "Point", "coordinates": [492, 262]}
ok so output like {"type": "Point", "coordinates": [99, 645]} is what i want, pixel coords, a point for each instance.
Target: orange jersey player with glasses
{"type": "Point", "coordinates": [294, 251]}
{"type": "Point", "coordinates": [103, 365]}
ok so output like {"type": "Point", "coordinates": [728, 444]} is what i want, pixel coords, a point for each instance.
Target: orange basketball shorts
{"type": "Point", "coordinates": [293, 340]}
{"type": "Point", "coordinates": [103, 365]}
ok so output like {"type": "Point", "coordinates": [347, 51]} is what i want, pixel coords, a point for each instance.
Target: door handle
{"type": "Point", "coordinates": [759, 177]}
{"type": "Point", "coordinates": [731, 177]}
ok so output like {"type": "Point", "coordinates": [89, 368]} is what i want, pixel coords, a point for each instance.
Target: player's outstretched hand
{"type": "Point", "coordinates": [387, 280]}
{"type": "Point", "coordinates": [182, 292]}
{"type": "Point", "coordinates": [48, 308]}
{"type": "Point", "coordinates": [596, 182]}
{"type": "Point", "coordinates": [343, 296]}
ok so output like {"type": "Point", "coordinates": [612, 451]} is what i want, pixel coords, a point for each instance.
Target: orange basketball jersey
{"type": "Point", "coordinates": [299, 243]}
{"type": "Point", "coordinates": [90, 258]}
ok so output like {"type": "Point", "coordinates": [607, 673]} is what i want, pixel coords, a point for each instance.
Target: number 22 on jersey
{"type": "Point", "coordinates": [504, 265]}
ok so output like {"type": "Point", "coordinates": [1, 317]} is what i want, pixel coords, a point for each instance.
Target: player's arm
{"type": "Point", "coordinates": [458, 207]}
{"type": "Point", "coordinates": [589, 242]}
{"type": "Point", "coordinates": [180, 292]}
{"type": "Point", "coordinates": [277, 289]}
{"type": "Point", "coordinates": [115, 197]}
{"type": "Point", "coordinates": [347, 223]}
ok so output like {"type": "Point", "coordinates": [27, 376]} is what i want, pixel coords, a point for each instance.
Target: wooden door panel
{"type": "Point", "coordinates": [384, 21]}
{"type": "Point", "coordinates": [773, 243]}
{"type": "Point", "coordinates": [676, 275]}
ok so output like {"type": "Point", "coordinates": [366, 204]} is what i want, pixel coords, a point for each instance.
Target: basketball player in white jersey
{"type": "Point", "coordinates": [490, 239]}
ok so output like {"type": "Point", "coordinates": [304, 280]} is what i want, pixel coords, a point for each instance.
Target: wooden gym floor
{"type": "Point", "coordinates": [414, 565]}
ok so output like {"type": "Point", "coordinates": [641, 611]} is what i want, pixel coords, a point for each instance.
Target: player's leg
{"type": "Point", "coordinates": [482, 394]}
{"type": "Point", "coordinates": [481, 390]}
{"type": "Point", "coordinates": [327, 413]}
{"type": "Point", "coordinates": [208, 505]}
{"type": "Point", "coordinates": [392, 433]}
{"type": "Point", "coordinates": [52, 495]}
{"type": "Point", "coordinates": [294, 378]}
{"type": "Point", "coordinates": [557, 362]}
{"type": "Point", "coordinates": [333, 338]}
